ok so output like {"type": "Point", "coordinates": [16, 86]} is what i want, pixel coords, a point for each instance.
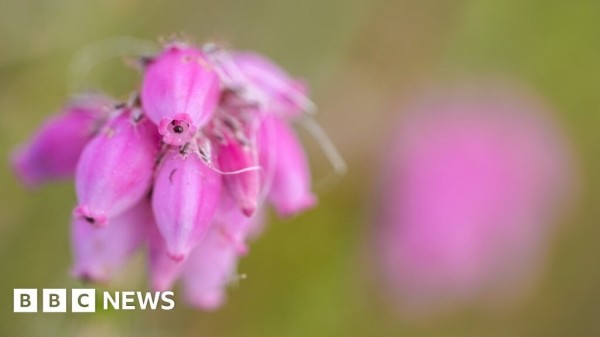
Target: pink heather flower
{"type": "Point", "coordinates": [163, 269]}
{"type": "Point", "coordinates": [180, 92]}
{"type": "Point", "coordinates": [283, 94]}
{"type": "Point", "coordinates": [470, 187]}
{"type": "Point", "coordinates": [53, 152]}
{"type": "Point", "coordinates": [210, 266]}
{"type": "Point", "coordinates": [238, 160]}
{"type": "Point", "coordinates": [286, 168]}
{"type": "Point", "coordinates": [259, 80]}
{"type": "Point", "coordinates": [154, 168]}
{"type": "Point", "coordinates": [209, 269]}
{"type": "Point", "coordinates": [100, 252]}
{"type": "Point", "coordinates": [116, 167]}
{"type": "Point", "coordinates": [185, 198]}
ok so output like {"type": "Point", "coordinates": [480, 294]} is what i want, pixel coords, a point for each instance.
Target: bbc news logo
{"type": "Point", "coordinates": [84, 300]}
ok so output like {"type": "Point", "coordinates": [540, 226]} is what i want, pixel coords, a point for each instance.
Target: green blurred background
{"type": "Point", "coordinates": [313, 275]}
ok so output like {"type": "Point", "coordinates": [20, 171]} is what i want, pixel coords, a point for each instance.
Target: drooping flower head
{"type": "Point", "coordinates": [470, 187]}
{"type": "Point", "coordinates": [183, 168]}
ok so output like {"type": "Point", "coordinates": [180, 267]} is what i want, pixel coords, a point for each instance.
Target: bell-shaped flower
{"type": "Point", "coordinates": [282, 94]}
{"type": "Point", "coordinates": [238, 161]}
{"type": "Point", "coordinates": [212, 266]}
{"type": "Point", "coordinates": [180, 92]}
{"type": "Point", "coordinates": [53, 152]}
{"type": "Point", "coordinates": [261, 81]}
{"type": "Point", "coordinates": [185, 199]}
{"type": "Point", "coordinates": [163, 270]}
{"type": "Point", "coordinates": [286, 168]}
{"type": "Point", "coordinates": [101, 251]}
{"type": "Point", "coordinates": [116, 167]}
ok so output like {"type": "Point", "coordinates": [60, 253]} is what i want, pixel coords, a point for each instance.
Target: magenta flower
{"type": "Point", "coordinates": [100, 252]}
{"type": "Point", "coordinates": [163, 269]}
{"type": "Point", "coordinates": [260, 81]}
{"type": "Point", "coordinates": [286, 166]}
{"type": "Point", "coordinates": [185, 199]}
{"type": "Point", "coordinates": [152, 174]}
{"type": "Point", "coordinates": [469, 189]}
{"type": "Point", "coordinates": [211, 266]}
{"type": "Point", "coordinates": [244, 187]}
{"type": "Point", "coordinates": [284, 94]}
{"type": "Point", "coordinates": [116, 168]}
{"type": "Point", "coordinates": [52, 154]}
{"type": "Point", "coordinates": [180, 92]}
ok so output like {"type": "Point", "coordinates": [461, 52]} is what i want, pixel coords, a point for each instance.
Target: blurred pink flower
{"type": "Point", "coordinates": [100, 252]}
{"type": "Point", "coordinates": [262, 82]}
{"type": "Point", "coordinates": [286, 168]}
{"type": "Point", "coordinates": [471, 186]}
{"type": "Point", "coordinates": [53, 152]}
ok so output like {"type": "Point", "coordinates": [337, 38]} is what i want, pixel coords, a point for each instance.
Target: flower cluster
{"type": "Point", "coordinates": [183, 167]}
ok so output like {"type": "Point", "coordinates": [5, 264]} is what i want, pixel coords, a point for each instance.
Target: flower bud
{"type": "Point", "coordinates": [185, 198]}
{"type": "Point", "coordinates": [281, 93]}
{"type": "Point", "coordinates": [163, 270]}
{"type": "Point", "coordinates": [99, 252]}
{"type": "Point", "coordinates": [212, 265]}
{"type": "Point", "coordinates": [258, 80]}
{"type": "Point", "coordinates": [53, 152]}
{"type": "Point", "coordinates": [282, 157]}
{"type": "Point", "coordinates": [116, 167]}
{"type": "Point", "coordinates": [180, 91]}
{"type": "Point", "coordinates": [236, 154]}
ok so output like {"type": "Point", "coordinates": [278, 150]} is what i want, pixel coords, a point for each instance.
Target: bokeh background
{"type": "Point", "coordinates": [313, 275]}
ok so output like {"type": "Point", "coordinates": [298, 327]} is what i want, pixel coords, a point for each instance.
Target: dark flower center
{"type": "Point", "coordinates": [178, 129]}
